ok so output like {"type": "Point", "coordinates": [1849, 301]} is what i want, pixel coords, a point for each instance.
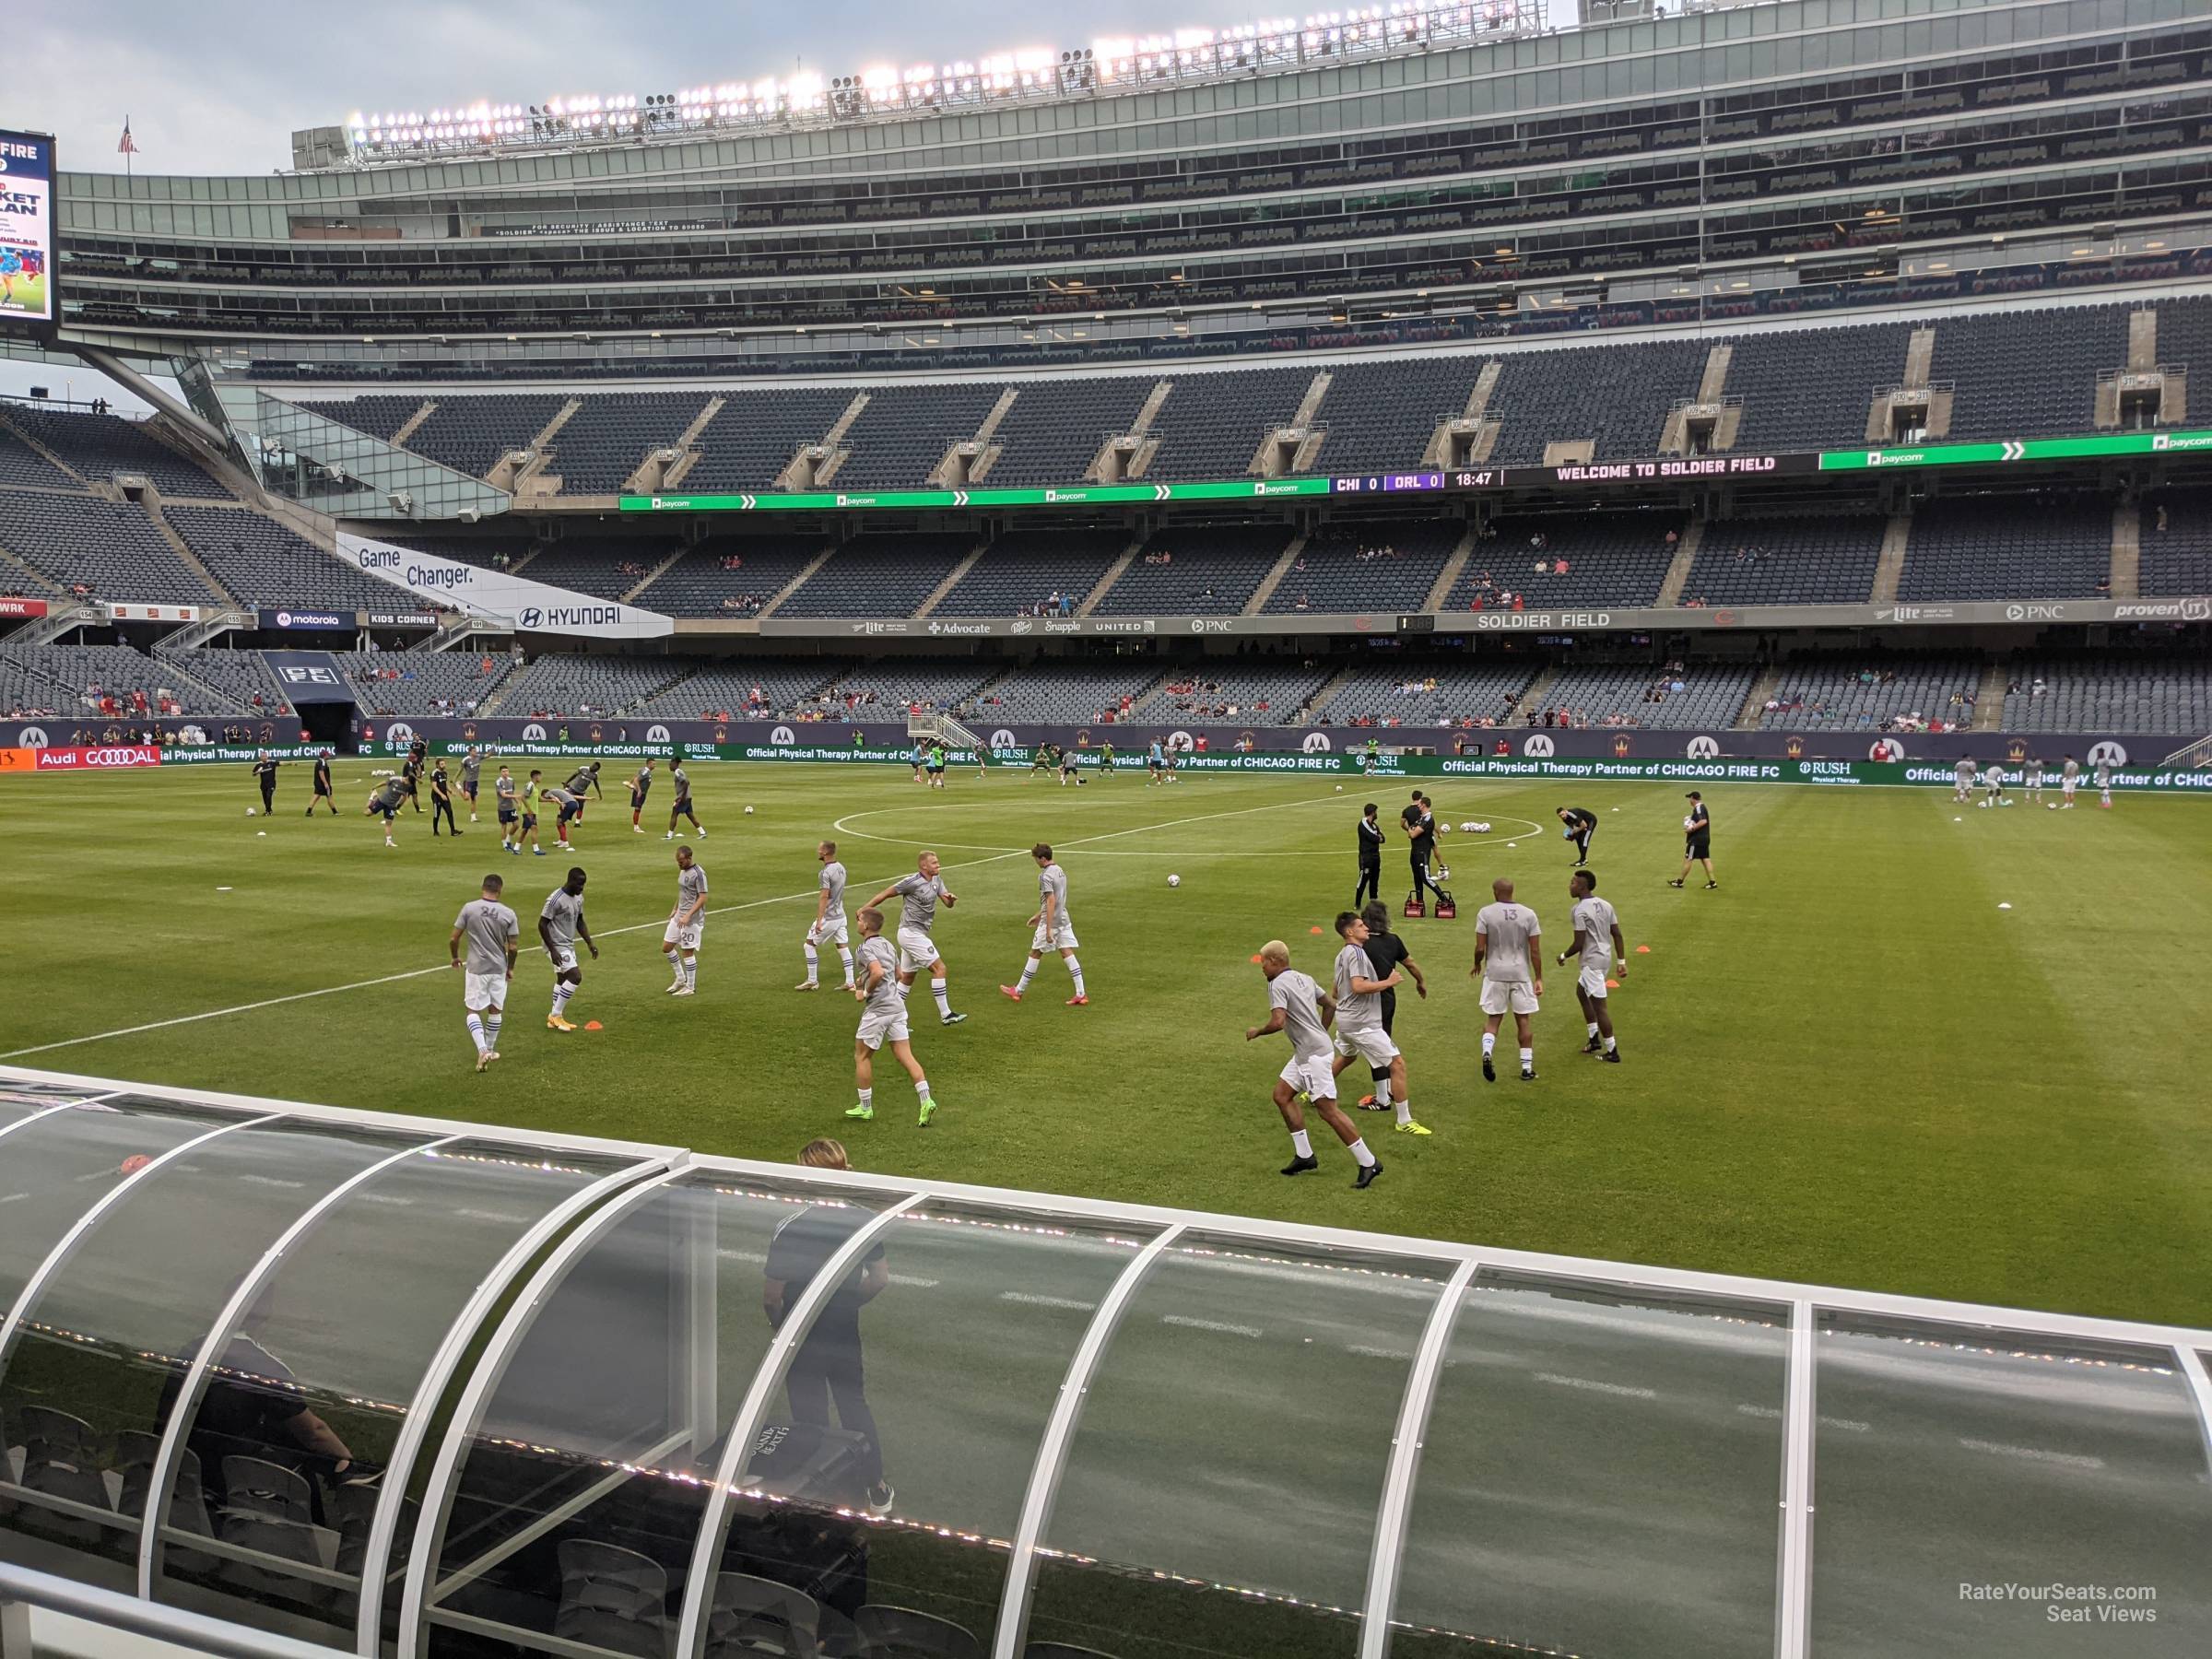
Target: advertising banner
{"type": "Point", "coordinates": [79, 759]}
{"type": "Point", "coordinates": [309, 677]}
{"type": "Point", "coordinates": [152, 612]}
{"type": "Point", "coordinates": [512, 601]}
{"type": "Point", "coordinates": [22, 607]}
{"type": "Point", "coordinates": [414, 619]}
{"type": "Point", "coordinates": [290, 621]}
{"type": "Point", "coordinates": [27, 177]}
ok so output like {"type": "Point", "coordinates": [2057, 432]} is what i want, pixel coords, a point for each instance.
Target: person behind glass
{"type": "Point", "coordinates": [1371, 855]}
{"type": "Point", "coordinates": [253, 1406]}
{"type": "Point", "coordinates": [826, 1368]}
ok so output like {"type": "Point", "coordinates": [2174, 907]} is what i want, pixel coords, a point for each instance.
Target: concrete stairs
{"type": "Point", "coordinates": [970, 459]}
{"type": "Point", "coordinates": [1273, 578]}
{"type": "Point", "coordinates": [408, 426]}
{"type": "Point", "coordinates": [656, 477]}
{"type": "Point", "coordinates": [34, 579]}
{"type": "Point", "coordinates": [169, 668]}
{"type": "Point", "coordinates": [1920, 356]}
{"type": "Point", "coordinates": [1126, 455]}
{"type": "Point", "coordinates": [1755, 699]}
{"type": "Point", "coordinates": [1890, 566]}
{"type": "Point", "coordinates": [2127, 550]}
{"type": "Point", "coordinates": [1320, 700]}
{"type": "Point", "coordinates": [793, 586]}
{"type": "Point", "coordinates": [28, 442]}
{"type": "Point", "coordinates": [185, 556]}
{"type": "Point", "coordinates": [194, 635]}
{"type": "Point", "coordinates": [524, 473]}
{"type": "Point", "coordinates": [804, 472]}
{"type": "Point", "coordinates": [1989, 702]}
{"type": "Point", "coordinates": [1677, 572]}
{"type": "Point", "coordinates": [1121, 566]}
{"type": "Point", "coordinates": [1454, 567]}
{"type": "Point", "coordinates": [936, 595]}
{"type": "Point", "coordinates": [1531, 699]}
{"type": "Point", "coordinates": [653, 575]}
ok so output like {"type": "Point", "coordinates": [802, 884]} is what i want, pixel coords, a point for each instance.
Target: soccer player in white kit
{"type": "Point", "coordinates": [492, 934]}
{"type": "Point", "coordinates": [1053, 930]}
{"type": "Point", "coordinates": [1598, 943]}
{"type": "Point", "coordinates": [559, 925]}
{"type": "Point", "coordinates": [2032, 780]}
{"type": "Point", "coordinates": [917, 946]}
{"type": "Point", "coordinates": [1992, 785]}
{"type": "Point", "coordinates": [2104, 782]}
{"type": "Point", "coordinates": [1302, 1010]}
{"type": "Point", "coordinates": [1962, 779]}
{"type": "Point", "coordinates": [1509, 946]}
{"type": "Point", "coordinates": [882, 1018]}
{"type": "Point", "coordinates": [2069, 779]}
{"type": "Point", "coordinates": [829, 924]}
{"type": "Point", "coordinates": [1359, 1033]}
{"type": "Point", "coordinates": [686, 921]}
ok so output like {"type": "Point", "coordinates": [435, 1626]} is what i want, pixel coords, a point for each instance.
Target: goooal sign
{"type": "Point", "coordinates": [512, 601]}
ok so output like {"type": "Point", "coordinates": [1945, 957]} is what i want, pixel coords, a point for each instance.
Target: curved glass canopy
{"type": "Point", "coordinates": [411, 1387]}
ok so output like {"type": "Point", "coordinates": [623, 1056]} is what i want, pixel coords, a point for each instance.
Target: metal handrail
{"type": "Point", "coordinates": [24, 1587]}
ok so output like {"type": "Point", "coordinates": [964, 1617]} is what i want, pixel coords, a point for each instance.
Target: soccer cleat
{"type": "Point", "coordinates": [1611, 1056]}
{"type": "Point", "coordinates": [1299, 1166]}
{"type": "Point", "coordinates": [1368, 1103]}
{"type": "Point", "coordinates": [685, 991]}
{"type": "Point", "coordinates": [483, 1059]}
{"type": "Point", "coordinates": [1711, 886]}
{"type": "Point", "coordinates": [1408, 1127]}
{"type": "Point", "coordinates": [539, 851]}
{"type": "Point", "coordinates": [390, 842]}
{"type": "Point", "coordinates": [801, 985]}
{"type": "Point", "coordinates": [1528, 1074]}
{"type": "Point", "coordinates": [1490, 1072]}
{"type": "Point", "coordinates": [670, 836]}
{"type": "Point", "coordinates": [879, 1497]}
{"type": "Point", "coordinates": [491, 1054]}
{"type": "Point", "coordinates": [953, 1019]}
{"type": "Point", "coordinates": [554, 1022]}
{"type": "Point", "coordinates": [928, 1108]}
{"type": "Point", "coordinates": [863, 1111]}
{"type": "Point", "coordinates": [1367, 1174]}
{"type": "Point", "coordinates": [1078, 1002]}
{"type": "Point", "coordinates": [1673, 884]}
{"type": "Point", "coordinates": [637, 828]}
{"type": "Point", "coordinates": [1009, 994]}
{"type": "Point", "coordinates": [1595, 1045]}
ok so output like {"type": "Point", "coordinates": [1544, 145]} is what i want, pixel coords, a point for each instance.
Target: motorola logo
{"type": "Point", "coordinates": [1002, 738]}
{"type": "Point", "coordinates": [32, 737]}
{"type": "Point", "coordinates": [783, 736]}
{"type": "Point", "coordinates": [1539, 747]}
{"type": "Point", "coordinates": [1316, 743]}
{"type": "Point", "coordinates": [656, 734]}
{"type": "Point", "coordinates": [533, 733]}
{"type": "Point", "coordinates": [1704, 749]}
{"type": "Point", "coordinates": [2107, 753]}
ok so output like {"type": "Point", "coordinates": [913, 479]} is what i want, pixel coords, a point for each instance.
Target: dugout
{"type": "Point", "coordinates": [395, 1385]}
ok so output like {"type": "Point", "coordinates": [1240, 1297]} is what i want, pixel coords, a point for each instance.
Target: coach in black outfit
{"type": "Point", "coordinates": [1420, 836]}
{"type": "Point", "coordinates": [1371, 857]}
{"type": "Point", "coordinates": [1582, 824]}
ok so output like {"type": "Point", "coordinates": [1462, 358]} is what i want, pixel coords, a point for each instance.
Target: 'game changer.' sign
{"type": "Point", "coordinates": [512, 601]}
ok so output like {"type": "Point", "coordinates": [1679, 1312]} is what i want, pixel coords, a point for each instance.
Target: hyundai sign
{"type": "Point", "coordinates": [27, 228]}
{"type": "Point", "coordinates": [513, 602]}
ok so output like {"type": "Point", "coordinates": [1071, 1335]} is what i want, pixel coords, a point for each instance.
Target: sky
{"type": "Point", "coordinates": [218, 86]}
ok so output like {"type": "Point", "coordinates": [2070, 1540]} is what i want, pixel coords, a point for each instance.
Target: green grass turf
{"type": "Point", "coordinates": [1847, 1065]}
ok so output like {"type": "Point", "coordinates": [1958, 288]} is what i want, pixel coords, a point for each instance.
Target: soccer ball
{"type": "Point", "coordinates": [249, 812]}
{"type": "Point", "coordinates": [1482, 825]}
{"type": "Point", "coordinates": [1688, 822]}
{"type": "Point", "coordinates": [1339, 789]}
{"type": "Point", "coordinates": [748, 812]}
{"type": "Point", "coordinates": [1174, 881]}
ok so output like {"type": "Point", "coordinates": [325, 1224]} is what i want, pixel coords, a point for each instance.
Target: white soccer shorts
{"type": "Point", "coordinates": [1062, 937]}
{"type": "Point", "coordinates": [481, 990]}
{"type": "Point", "coordinates": [1373, 1045]}
{"type": "Point", "coordinates": [1503, 996]}
{"type": "Point", "coordinates": [564, 959]}
{"type": "Point", "coordinates": [2071, 784]}
{"type": "Point", "coordinates": [1311, 1077]}
{"type": "Point", "coordinates": [682, 938]}
{"type": "Point", "coordinates": [1592, 980]}
{"type": "Point", "coordinates": [829, 930]}
{"type": "Point", "coordinates": [880, 1026]}
{"type": "Point", "coordinates": [917, 951]}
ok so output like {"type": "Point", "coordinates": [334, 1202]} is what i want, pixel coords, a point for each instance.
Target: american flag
{"type": "Point", "coordinates": [129, 146]}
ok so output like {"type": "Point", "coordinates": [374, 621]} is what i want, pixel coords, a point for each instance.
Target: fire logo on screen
{"type": "Point", "coordinates": [1887, 750]}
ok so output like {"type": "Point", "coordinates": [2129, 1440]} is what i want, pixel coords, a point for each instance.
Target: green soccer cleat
{"type": "Point", "coordinates": [863, 1111]}
{"type": "Point", "coordinates": [927, 1108]}
{"type": "Point", "coordinates": [1411, 1127]}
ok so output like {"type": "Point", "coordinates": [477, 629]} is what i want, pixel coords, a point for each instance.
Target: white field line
{"type": "Point", "coordinates": [393, 979]}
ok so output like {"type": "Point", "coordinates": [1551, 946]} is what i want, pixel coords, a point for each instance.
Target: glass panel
{"type": "Point", "coordinates": [103, 1348]}
{"type": "Point", "coordinates": [53, 1170]}
{"type": "Point", "coordinates": [1980, 1491]}
{"type": "Point", "coordinates": [328, 1337]}
{"type": "Point", "coordinates": [20, 1099]}
{"type": "Point", "coordinates": [580, 1495]}
{"type": "Point", "coordinates": [1600, 1475]}
{"type": "Point", "coordinates": [1219, 1495]}
{"type": "Point", "coordinates": [973, 1317]}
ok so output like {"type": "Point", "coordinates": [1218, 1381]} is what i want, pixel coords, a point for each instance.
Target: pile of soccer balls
{"type": "Point", "coordinates": [1477, 827]}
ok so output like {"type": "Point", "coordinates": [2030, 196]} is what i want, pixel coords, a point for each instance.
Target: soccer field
{"type": "Point", "coordinates": [1847, 1065]}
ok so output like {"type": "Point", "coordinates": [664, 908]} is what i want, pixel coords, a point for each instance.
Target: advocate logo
{"type": "Point", "coordinates": [2015, 750]}
{"type": "Point", "coordinates": [1704, 749]}
{"type": "Point", "coordinates": [1794, 748]}
{"type": "Point", "coordinates": [1621, 746]}
{"type": "Point", "coordinates": [1538, 748]}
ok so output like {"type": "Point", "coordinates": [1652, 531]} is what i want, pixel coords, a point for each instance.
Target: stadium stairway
{"type": "Point", "coordinates": [1532, 698]}
{"type": "Point", "coordinates": [653, 575]}
{"type": "Point", "coordinates": [217, 700]}
{"type": "Point", "coordinates": [1989, 702]}
{"type": "Point", "coordinates": [1114, 574]}
{"type": "Point", "coordinates": [407, 428]}
{"type": "Point", "coordinates": [1321, 698]}
{"type": "Point", "coordinates": [966, 563]}
{"type": "Point", "coordinates": [34, 580]}
{"type": "Point", "coordinates": [798, 581]}
{"type": "Point", "coordinates": [2126, 577]}
{"type": "Point", "coordinates": [1755, 699]}
{"type": "Point", "coordinates": [1889, 568]}
{"type": "Point", "coordinates": [1455, 566]}
{"type": "Point", "coordinates": [185, 556]}
{"type": "Point", "coordinates": [1677, 571]}
{"type": "Point", "coordinates": [1273, 578]}
{"type": "Point", "coordinates": [32, 443]}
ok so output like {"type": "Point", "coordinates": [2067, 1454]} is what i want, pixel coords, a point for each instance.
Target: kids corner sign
{"type": "Point", "coordinates": [512, 601]}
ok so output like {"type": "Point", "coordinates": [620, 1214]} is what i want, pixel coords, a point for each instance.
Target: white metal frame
{"type": "Point", "coordinates": [30, 1118]}
{"type": "Point", "coordinates": [1059, 1434]}
{"type": "Point", "coordinates": [1806, 1303]}
{"type": "Point", "coordinates": [1404, 1463]}
{"type": "Point", "coordinates": [798, 1321]}
{"type": "Point", "coordinates": [195, 1378]}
